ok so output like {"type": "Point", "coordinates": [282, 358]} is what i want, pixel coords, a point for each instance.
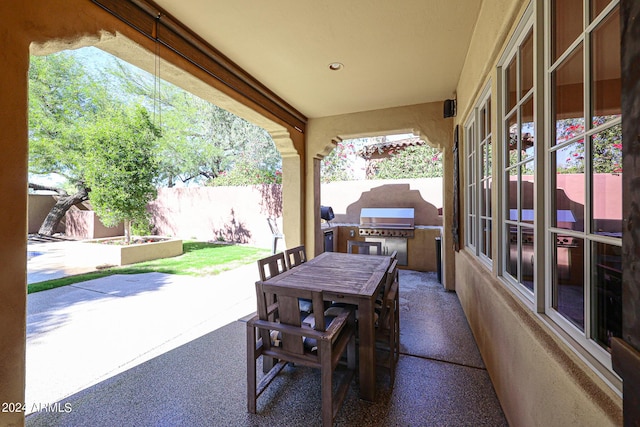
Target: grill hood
{"type": "Point", "coordinates": [387, 218]}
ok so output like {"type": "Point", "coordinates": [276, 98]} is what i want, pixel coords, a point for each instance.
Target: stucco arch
{"type": "Point", "coordinates": [423, 120]}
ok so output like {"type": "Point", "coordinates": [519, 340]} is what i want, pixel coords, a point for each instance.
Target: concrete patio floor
{"type": "Point", "coordinates": [165, 350]}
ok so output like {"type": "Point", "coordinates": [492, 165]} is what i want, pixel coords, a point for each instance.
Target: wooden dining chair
{"type": "Point", "coordinates": [295, 256]}
{"type": "Point", "coordinates": [388, 324]}
{"type": "Point", "coordinates": [271, 266]}
{"type": "Point", "coordinates": [290, 340]}
{"type": "Point", "coordinates": [364, 247]}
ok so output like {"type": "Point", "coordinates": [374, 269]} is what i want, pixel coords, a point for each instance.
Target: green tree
{"type": "Point", "coordinates": [200, 142]}
{"type": "Point", "coordinates": [63, 101]}
{"type": "Point", "coordinates": [246, 173]}
{"type": "Point", "coordinates": [122, 166]}
{"type": "Point", "coordinates": [420, 161]}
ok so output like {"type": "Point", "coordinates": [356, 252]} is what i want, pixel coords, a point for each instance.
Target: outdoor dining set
{"type": "Point", "coordinates": [338, 312]}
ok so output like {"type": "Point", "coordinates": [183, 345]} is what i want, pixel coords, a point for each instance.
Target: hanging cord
{"type": "Point", "coordinates": [157, 100]}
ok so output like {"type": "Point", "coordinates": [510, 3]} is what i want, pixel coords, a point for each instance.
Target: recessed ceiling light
{"type": "Point", "coordinates": [336, 66]}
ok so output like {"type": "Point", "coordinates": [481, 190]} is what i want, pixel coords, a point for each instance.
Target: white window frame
{"type": "Point", "coordinates": [526, 24]}
{"type": "Point", "coordinates": [471, 208]}
{"type": "Point", "coordinates": [583, 338]}
{"type": "Point", "coordinates": [474, 143]}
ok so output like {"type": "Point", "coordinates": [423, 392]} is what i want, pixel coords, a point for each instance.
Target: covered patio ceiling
{"type": "Point", "coordinates": [394, 53]}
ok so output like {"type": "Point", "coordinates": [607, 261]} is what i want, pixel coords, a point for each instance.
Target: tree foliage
{"type": "Point", "coordinates": [422, 161]}
{"type": "Point", "coordinates": [605, 146]}
{"type": "Point", "coordinates": [338, 165]}
{"type": "Point", "coordinates": [63, 101]}
{"type": "Point", "coordinates": [121, 165]}
{"type": "Point", "coordinates": [201, 142]}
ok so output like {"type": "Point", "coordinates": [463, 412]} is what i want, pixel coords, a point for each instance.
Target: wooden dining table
{"type": "Point", "coordinates": [351, 279]}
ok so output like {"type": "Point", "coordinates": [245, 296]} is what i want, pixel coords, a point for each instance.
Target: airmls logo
{"type": "Point", "coordinates": [52, 407]}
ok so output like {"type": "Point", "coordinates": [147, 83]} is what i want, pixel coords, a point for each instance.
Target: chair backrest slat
{"type": "Point", "coordinates": [391, 278]}
{"type": "Point", "coordinates": [288, 311]}
{"type": "Point", "coordinates": [271, 266]}
{"type": "Point", "coordinates": [295, 256]}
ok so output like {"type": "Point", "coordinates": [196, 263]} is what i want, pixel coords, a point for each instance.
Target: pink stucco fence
{"type": "Point", "coordinates": [231, 214]}
{"type": "Point", "coordinates": [239, 214]}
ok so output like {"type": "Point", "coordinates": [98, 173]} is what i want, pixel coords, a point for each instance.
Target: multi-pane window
{"type": "Point", "coordinates": [519, 149]}
{"type": "Point", "coordinates": [484, 184]}
{"type": "Point", "coordinates": [471, 174]}
{"type": "Point", "coordinates": [585, 164]}
{"type": "Point", "coordinates": [478, 151]}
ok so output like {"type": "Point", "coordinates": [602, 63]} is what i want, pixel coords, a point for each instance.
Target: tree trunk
{"type": "Point", "coordinates": [127, 231]}
{"type": "Point", "coordinates": [61, 207]}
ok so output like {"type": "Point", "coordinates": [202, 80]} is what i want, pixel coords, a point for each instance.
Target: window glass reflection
{"type": "Point", "coordinates": [487, 154]}
{"type": "Point", "coordinates": [567, 86]}
{"type": "Point", "coordinates": [512, 128]}
{"type": "Point", "coordinates": [606, 84]}
{"type": "Point", "coordinates": [527, 130]}
{"type": "Point", "coordinates": [606, 184]}
{"type": "Point", "coordinates": [487, 193]}
{"type": "Point", "coordinates": [511, 195]}
{"type": "Point", "coordinates": [511, 85]}
{"type": "Point", "coordinates": [488, 125]}
{"type": "Point", "coordinates": [512, 262]}
{"type": "Point", "coordinates": [568, 279]}
{"type": "Point", "coordinates": [486, 242]}
{"type": "Point", "coordinates": [607, 293]}
{"type": "Point", "coordinates": [528, 257]}
{"type": "Point", "coordinates": [526, 192]}
{"type": "Point", "coordinates": [526, 65]}
{"type": "Point", "coordinates": [570, 187]}
{"type": "Point", "coordinates": [598, 6]}
{"type": "Point", "coordinates": [567, 25]}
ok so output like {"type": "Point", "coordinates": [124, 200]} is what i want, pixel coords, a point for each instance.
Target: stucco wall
{"type": "Point", "coordinates": [38, 207]}
{"type": "Point", "coordinates": [347, 198]}
{"type": "Point", "coordinates": [85, 224]}
{"type": "Point", "coordinates": [538, 380]}
{"type": "Point", "coordinates": [237, 214]}
{"type": "Point", "coordinates": [78, 223]}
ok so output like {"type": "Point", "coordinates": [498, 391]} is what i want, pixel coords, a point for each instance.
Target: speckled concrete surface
{"type": "Point", "coordinates": [440, 381]}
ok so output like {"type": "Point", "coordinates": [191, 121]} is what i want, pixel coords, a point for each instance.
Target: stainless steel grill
{"type": "Point", "coordinates": [387, 222]}
{"type": "Point", "coordinates": [390, 226]}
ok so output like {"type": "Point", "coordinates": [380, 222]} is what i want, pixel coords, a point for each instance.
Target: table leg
{"type": "Point", "coordinates": [367, 353]}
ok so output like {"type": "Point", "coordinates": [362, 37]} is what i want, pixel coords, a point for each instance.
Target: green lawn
{"type": "Point", "coordinates": [198, 259]}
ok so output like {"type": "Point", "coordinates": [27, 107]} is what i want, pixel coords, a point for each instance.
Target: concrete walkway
{"type": "Point", "coordinates": [82, 334]}
{"type": "Point", "coordinates": [53, 260]}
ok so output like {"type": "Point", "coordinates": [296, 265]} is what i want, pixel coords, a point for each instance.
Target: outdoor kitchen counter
{"type": "Point", "coordinates": [421, 248]}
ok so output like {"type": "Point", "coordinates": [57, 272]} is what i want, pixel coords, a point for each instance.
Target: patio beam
{"type": "Point", "coordinates": [153, 22]}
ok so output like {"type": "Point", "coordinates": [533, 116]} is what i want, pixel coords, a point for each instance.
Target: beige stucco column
{"type": "Point", "coordinates": [13, 218]}
{"type": "Point", "coordinates": [423, 120]}
{"type": "Point", "coordinates": [292, 189]}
